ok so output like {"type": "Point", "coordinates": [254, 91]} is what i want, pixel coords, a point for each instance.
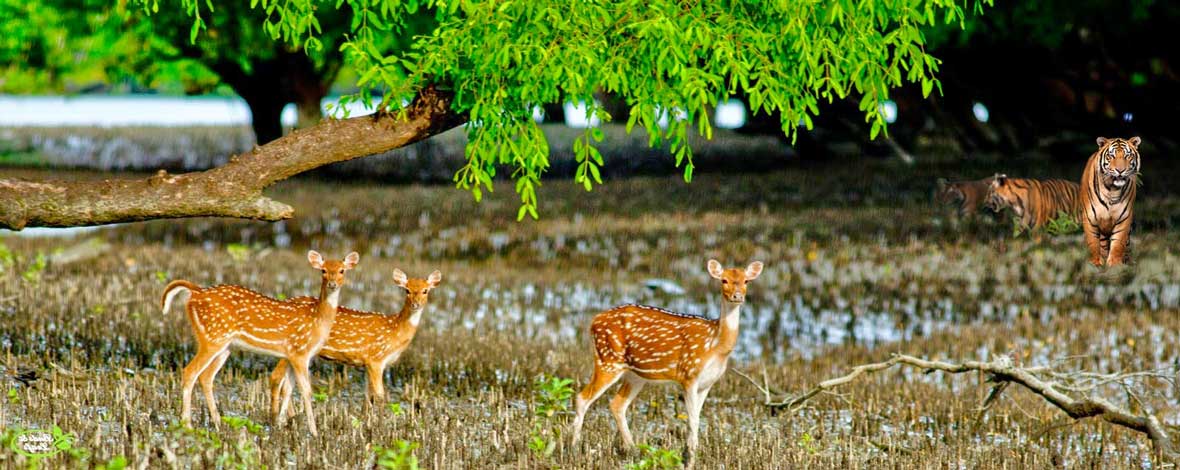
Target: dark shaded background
{"type": "Point", "coordinates": [1054, 75]}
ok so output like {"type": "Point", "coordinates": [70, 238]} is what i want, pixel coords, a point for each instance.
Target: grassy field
{"type": "Point", "coordinates": [852, 275]}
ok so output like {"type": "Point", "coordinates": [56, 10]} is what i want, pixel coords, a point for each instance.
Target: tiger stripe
{"type": "Point", "coordinates": [1036, 202]}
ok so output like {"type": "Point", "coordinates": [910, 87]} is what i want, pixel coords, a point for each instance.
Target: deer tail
{"type": "Point", "coordinates": [176, 287]}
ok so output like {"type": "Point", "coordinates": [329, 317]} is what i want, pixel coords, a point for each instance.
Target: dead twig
{"type": "Point", "coordinates": [1063, 423]}
{"type": "Point", "coordinates": [1051, 385]}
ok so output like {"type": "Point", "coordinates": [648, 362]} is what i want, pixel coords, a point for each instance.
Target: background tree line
{"type": "Point", "coordinates": [1048, 72]}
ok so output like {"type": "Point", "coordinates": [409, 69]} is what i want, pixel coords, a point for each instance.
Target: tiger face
{"type": "Point", "coordinates": [1118, 160]}
{"type": "Point", "coordinates": [948, 193]}
{"type": "Point", "coordinates": [1004, 194]}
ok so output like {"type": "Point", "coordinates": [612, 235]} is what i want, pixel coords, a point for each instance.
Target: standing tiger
{"type": "Point", "coordinates": [1035, 202]}
{"type": "Point", "coordinates": [1108, 194]}
{"type": "Point", "coordinates": [968, 195]}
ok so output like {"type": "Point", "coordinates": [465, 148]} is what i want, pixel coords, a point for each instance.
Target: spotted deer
{"type": "Point", "coordinates": [641, 344]}
{"type": "Point", "coordinates": [228, 315]}
{"type": "Point", "coordinates": [367, 339]}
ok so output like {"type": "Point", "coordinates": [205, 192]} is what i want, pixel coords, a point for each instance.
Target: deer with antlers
{"type": "Point", "coordinates": [641, 344]}
{"type": "Point", "coordinates": [228, 315]}
{"type": "Point", "coordinates": [367, 339]}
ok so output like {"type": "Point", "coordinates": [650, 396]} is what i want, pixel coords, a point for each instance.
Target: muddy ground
{"type": "Point", "coordinates": [852, 275]}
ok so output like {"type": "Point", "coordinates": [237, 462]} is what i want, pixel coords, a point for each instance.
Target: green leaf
{"type": "Point", "coordinates": [196, 28]}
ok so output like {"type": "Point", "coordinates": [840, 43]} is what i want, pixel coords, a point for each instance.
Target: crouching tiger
{"type": "Point", "coordinates": [1035, 202]}
{"type": "Point", "coordinates": [1108, 197]}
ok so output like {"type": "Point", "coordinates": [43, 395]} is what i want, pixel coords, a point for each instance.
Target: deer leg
{"type": "Point", "coordinates": [205, 356]}
{"type": "Point", "coordinates": [288, 387]}
{"type": "Point", "coordinates": [206, 379]}
{"type": "Point", "coordinates": [702, 394]}
{"type": "Point", "coordinates": [692, 404]}
{"type": "Point", "coordinates": [280, 391]}
{"type": "Point", "coordinates": [303, 378]}
{"type": "Point", "coordinates": [632, 384]}
{"type": "Point", "coordinates": [604, 376]}
{"type": "Point", "coordinates": [376, 390]}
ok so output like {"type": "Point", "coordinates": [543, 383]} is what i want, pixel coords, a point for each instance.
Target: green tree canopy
{"type": "Point", "coordinates": [490, 64]}
{"type": "Point", "coordinates": [63, 46]}
{"type": "Point", "coordinates": [501, 59]}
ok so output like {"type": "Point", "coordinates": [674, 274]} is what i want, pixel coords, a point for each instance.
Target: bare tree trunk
{"type": "Point", "coordinates": [233, 190]}
{"type": "Point", "coordinates": [618, 109]}
{"type": "Point", "coordinates": [554, 113]}
{"type": "Point", "coordinates": [309, 107]}
{"type": "Point", "coordinates": [290, 77]}
{"type": "Point", "coordinates": [266, 112]}
{"type": "Point", "coordinates": [308, 88]}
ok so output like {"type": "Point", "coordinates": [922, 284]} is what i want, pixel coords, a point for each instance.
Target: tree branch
{"type": "Point", "coordinates": [233, 190]}
{"type": "Point", "coordinates": [1042, 381]}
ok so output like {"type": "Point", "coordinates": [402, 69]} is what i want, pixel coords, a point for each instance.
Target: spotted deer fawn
{"type": "Point", "coordinates": [368, 339]}
{"type": "Point", "coordinates": [227, 315]}
{"type": "Point", "coordinates": [641, 344]}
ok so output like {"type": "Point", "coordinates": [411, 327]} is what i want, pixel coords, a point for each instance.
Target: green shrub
{"type": "Point", "coordinates": [399, 456]}
{"type": "Point", "coordinates": [552, 396]}
{"type": "Point", "coordinates": [1063, 224]}
{"type": "Point", "coordinates": [655, 458]}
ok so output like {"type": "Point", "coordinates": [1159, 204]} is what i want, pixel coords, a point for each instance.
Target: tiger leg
{"type": "Point", "coordinates": [1092, 242]}
{"type": "Point", "coordinates": [968, 207]}
{"type": "Point", "coordinates": [1127, 254]}
{"type": "Point", "coordinates": [1120, 240]}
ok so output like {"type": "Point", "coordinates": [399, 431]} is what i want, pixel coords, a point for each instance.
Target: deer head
{"type": "Point", "coordinates": [417, 290]}
{"type": "Point", "coordinates": [734, 280]}
{"type": "Point", "coordinates": [333, 271]}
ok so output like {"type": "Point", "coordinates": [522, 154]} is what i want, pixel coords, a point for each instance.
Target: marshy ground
{"type": "Point", "coordinates": [859, 264]}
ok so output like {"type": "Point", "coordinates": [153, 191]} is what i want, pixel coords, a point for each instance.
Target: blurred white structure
{"type": "Point", "coordinates": [730, 115]}
{"type": "Point", "coordinates": [575, 116]}
{"type": "Point", "coordinates": [155, 110]}
{"type": "Point", "coordinates": [889, 109]}
{"type": "Point", "coordinates": [136, 110]}
{"type": "Point", "coordinates": [980, 112]}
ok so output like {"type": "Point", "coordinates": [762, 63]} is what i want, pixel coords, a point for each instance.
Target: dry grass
{"type": "Point", "coordinates": [851, 276]}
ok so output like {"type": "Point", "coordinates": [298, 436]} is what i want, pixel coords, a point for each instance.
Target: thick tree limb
{"type": "Point", "coordinates": [1043, 381]}
{"type": "Point", "coordinates": [233, 190]}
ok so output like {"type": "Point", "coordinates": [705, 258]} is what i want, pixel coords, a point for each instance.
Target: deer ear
{"type": "Point", "coordinates": [399, 278]}
{"type": "Point", "coordinates": [1101, 142]}
{"type": "Point", "coordinates": [753, 270]}
{"type": "Point", "coordinates": [316, 260]}
{"type": "Point", "coordinates": [435, 278]}
{"type": "Point", "coordinates": [1134, 141]}
{"type": "Point", "coordinates": [715, 269]}
{"type": "Point", "coordinates": [351, 260]}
